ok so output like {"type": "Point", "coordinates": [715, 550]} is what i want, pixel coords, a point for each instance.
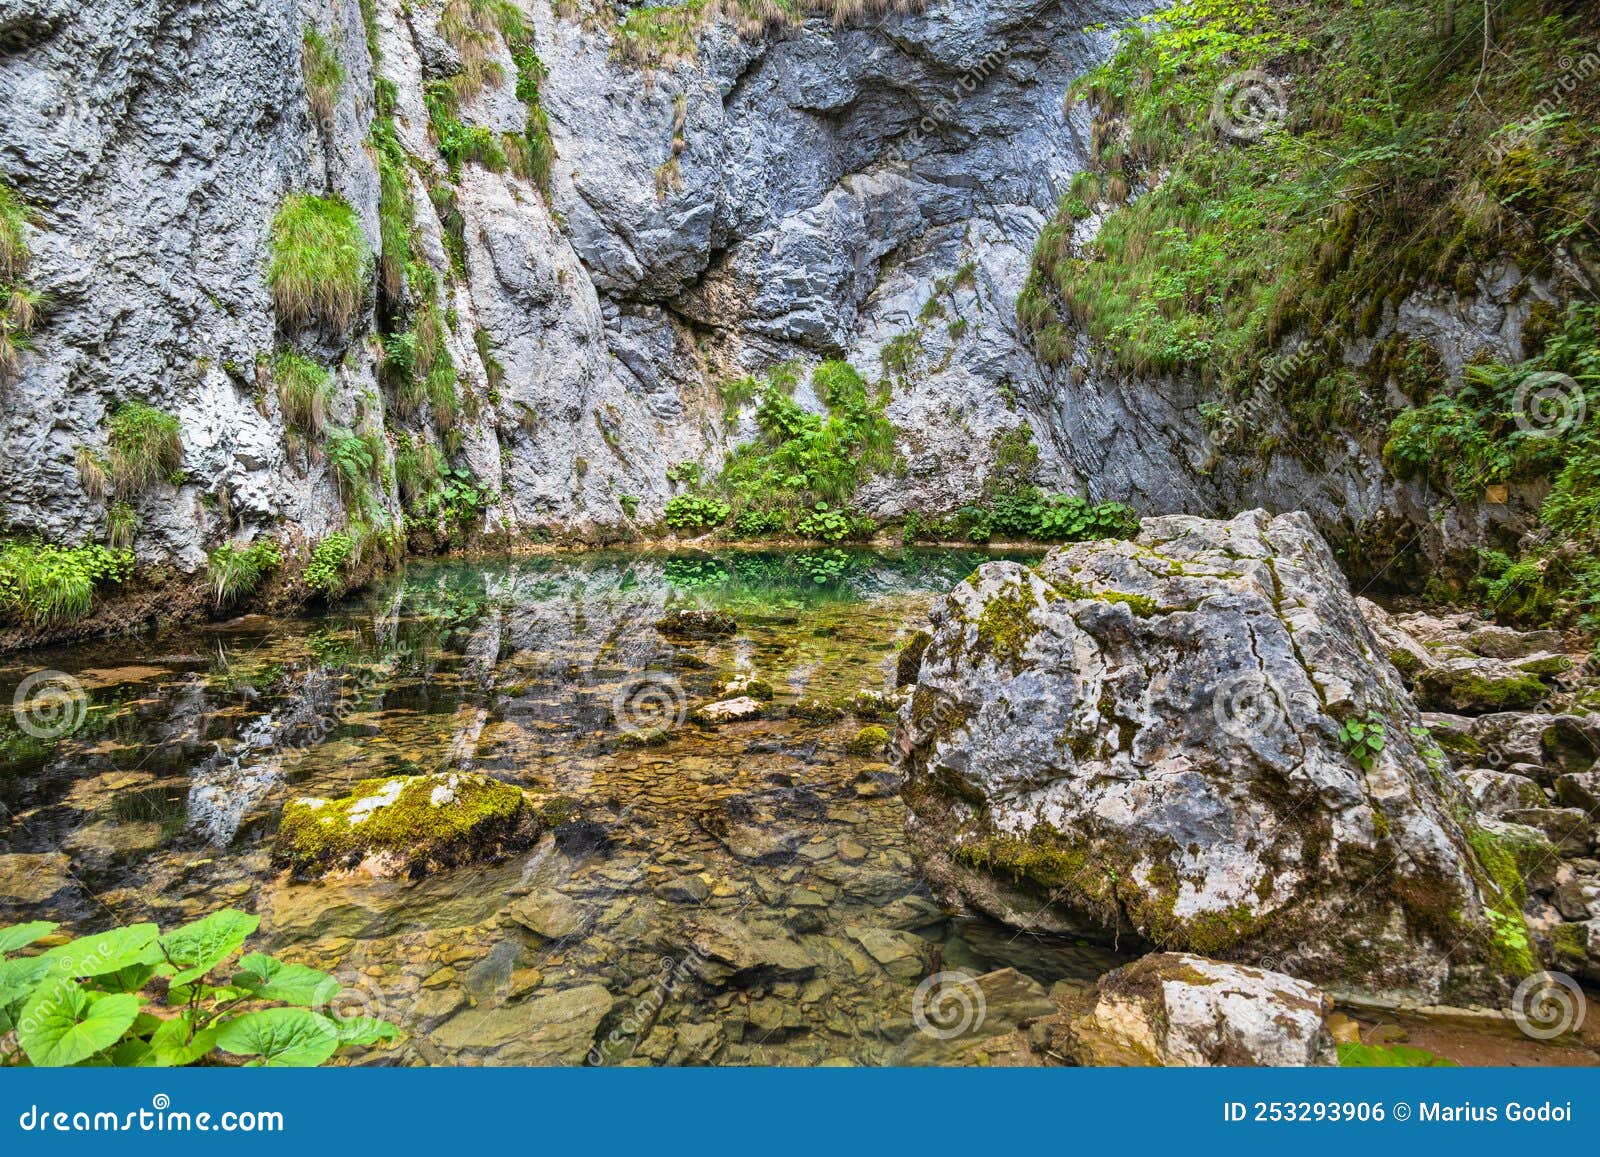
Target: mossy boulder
{"type": "Point", "coordinates": [686, 623]}
{"type": "Point", "coordinates": [908, 662]}
{"type": "Point", "coordinates": [815, 709]}
{"type": "Point", "coordinates": [869, 741]}
{"type": "Point", "coordinates": [407, 825]}
{"type": "Point", "coordinates": [1477, 686]}
{"type": "Point", "coordinates": [1145, 742]}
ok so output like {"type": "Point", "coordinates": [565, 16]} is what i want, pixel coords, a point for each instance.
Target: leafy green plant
{"type": "Point", "coordinates": [135, 997]}
{"type": "Point", "coordinates": [354, 460]}
{"type": "Point", "coordinates": [45, 585]}
{"type": "Point", "coordinates": [144, 445]}
{"type": "Point", "coordinates": [326, 570]}
{"type": "Point", "coordinates": [1363, 738]}
{"type": "Point", "coordinates": [19, 303]}
{"type": "Point", "coordinates": [236, 572]}
{"type": "Point", "coordinates": [1355, 1055]}
{"type": "Point", "coordinates": [318, 267]}
{"type": "Point", "coordinates": [629, 504]}
{"type": "Point", "coordinates": [305, 391]}
{"type": "Point", "coordinates": [454, 499]}
{"type": "Point", "coordinates": [693, 513]}
{"type": "Point", "coordinates": [825, 524]}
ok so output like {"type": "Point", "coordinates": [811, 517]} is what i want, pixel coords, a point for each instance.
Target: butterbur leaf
{"type": "Point", "coordinates": [63, 1025]}
{"type": "Point", "coordinates": [280, 1037]}
{"type": "Point", "coordinates": [106, 951]}
{"type": "Point", "coordinates": [199, 947]}
{"type": "Point", "coordinates": [364, 1030]}
{"type": "Point", "coordinates": [19, 977]}
{"type": "Point", "coordinates": [129, 979]}
{"type": "Point", "coordinates": [177, 1042]}
{"type": "Point", "coordinates": [271, 979]}
{"type": "Point", "coordinates": [21, 935]}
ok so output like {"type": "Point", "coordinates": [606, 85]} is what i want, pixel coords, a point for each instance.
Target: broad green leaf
{"type": "Point", "coordinates": [63, 1025]}
{"type": "Point", "coordinates": [21, 935]}
{"type": "Point", "coordinates": [363, 1030]}
{"type": "Point", "coordinates": [132, 1053]}
{"type": "Point", "coordinates": [106, 951]}
{"type": "Point", "coordinates": [19, 977]}
{"type": "Point", "coordinates": [129, 979]}
{"type": "Point", "coordinates": [203, 993]}
{"type": "Point", "coordinates": [177, 1043]}
{"type": "Point", "coordinates": [272, 979]}
{"type": "Point", "coordinates": [199, 947]}
{"type": "Point", "coordinates": [281, 1037]}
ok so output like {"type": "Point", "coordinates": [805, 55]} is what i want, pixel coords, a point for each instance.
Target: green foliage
{"type": "Point", "coordinates": [305, 391]}
{"type": "Point", "coordinates": [144, 445]}
{"type": "Point", "coordinates": [460, 143]}
{"type": "Point", "coordinates": [538, 154]}
{"type": "Point", "coordinates": [326, 570]}
{"type": "Point", "coordinates": [453, 499]}
{"type": "Point", "coordinates": [19, 303]}
{"type": "Point", "coordinates": [1374, 181]}
{"type": "Point", "coordinates": [122, 525]}
{"type": "Point", "coordinates": [45, 585]}
{"type": "Point", "coordinates": [324, 75]}
{"type": "Point", "coordinates": [1363, 738]}
{"type": "Point", "coordinates": [695, 514]}
{"type": "Point", "coordinates": [629, 504]}
{"type": "Point", "coordinates": [396, 213]}
{"type": "Point", "coordinates": [825, 568]}
{"type": "Point", "coordinates": [318, 269]}
{"type": "Point", "coordinates": [237, 572]}
{"type": "Point", "coordinates": [134, 997]}
{"type": "Point", "coordinates": [758, 523]}
{"type": "Point", "coordinates": [825, 524]}
{"type": "Point", "coordinates": [355, 459]}
{"type": "Point", "coordinates": [1354, 1055]}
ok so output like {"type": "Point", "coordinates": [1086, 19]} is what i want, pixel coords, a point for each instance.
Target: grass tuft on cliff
{"type": "Point", "coordinates": [305, 391]}
{"type": "Point", "coordinates": [319, 261]}
{"type": "Point", "coordinates": [19, 303]}
{"type": "Point", "coordinates": [144, 445]}
{"type": "Point", "coordinates": [323, 73]}
{"type": "Point", "coordinates": [237, 571]}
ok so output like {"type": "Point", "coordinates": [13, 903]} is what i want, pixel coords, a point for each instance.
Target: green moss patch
{"type": "Point", "coordinates": [407, 825]}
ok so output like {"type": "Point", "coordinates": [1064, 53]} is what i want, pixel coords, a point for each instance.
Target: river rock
{"type": "Point", "coordinates": [728, 948]}
{"type": "Point", "coordinates": [729, 711]}
{"type": "Point", "coordinates": [695, 624]}
{"type": "Point", "coordinates": [28, 878]}
{"type": "Point", "coordinates": [1174, 1008]}
{"type": "Point", "coordinates": [1142, 739]}
{"type": "Point", "coordinates": [553, 1029]}
{"type": "Point", "coordinates": [406, 825]}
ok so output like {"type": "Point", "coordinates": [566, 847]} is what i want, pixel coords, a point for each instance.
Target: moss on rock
{"type": "Point", "coordinates": [869, 741]}
{"type": "Point", "coordinates": [406, 825]}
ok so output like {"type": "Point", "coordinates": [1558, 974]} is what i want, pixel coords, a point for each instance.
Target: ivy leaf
{"type": "Point", "coordinates": [106, 951]}
{"type": "Point", "coordinates": [199, 947]}
{"type": "Point", "coordinates": [280, 1037]}
{"type": "Point", "coordinates": [63, 1025]}
{"type": "Point", "coordinates": [272, 979]}
{"type": "Point", "coordinates": [21, 935]}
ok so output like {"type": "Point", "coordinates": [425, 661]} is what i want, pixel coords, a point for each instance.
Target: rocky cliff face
{"type": "Point", "coordinates": [790, 194]}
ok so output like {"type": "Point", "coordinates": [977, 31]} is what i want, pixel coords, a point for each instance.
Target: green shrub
{"type": "Point", "coordinates": [132, 997]}
{"type": "Point", "coordinates": [326, 570]}
{"type": "Point", "coordinates": [236, 572]}
{"type": "Point", "coordinates": [305, 391]}
{"type": "Point", "coordinates": [47, 585]}
{"type": "Point", "coordinates": [693, 513]}
{"type": "Point", "coordinates": [758, 523]}
{"type": "Point", "coordinates": [629, 504]}
{"type": "Point", "coordinates": [319, 261]}
{"type": "Point", "coordinates": [825, 524]}
{"type": "Point", "coordinates": [323, 73]}
{"type": "Point", "coordinates": [144, 445]}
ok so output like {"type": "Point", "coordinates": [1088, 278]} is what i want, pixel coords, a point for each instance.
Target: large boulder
{"type": "Point", "coordinates": [1174, 1009]}
{"type": "Point", "coordinates": [1156, 741]}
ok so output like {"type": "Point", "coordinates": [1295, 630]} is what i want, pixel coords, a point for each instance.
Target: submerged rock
{"type": "Point", "coordinates": [1147, 740]}
{"type": "Point", "coordinates": [1174, 1008]}
{"type": "Point", "coordinates": [729, 711]}
{"type": "Point", "coordinates": [692, 624]}
{"type": "Point", "coordinates": [406, 825]}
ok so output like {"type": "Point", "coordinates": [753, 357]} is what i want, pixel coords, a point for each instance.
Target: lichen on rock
{"type": "Point", "coordinates": [405, 826]}
{"type": "Point", "coordinates": [1145, 742]}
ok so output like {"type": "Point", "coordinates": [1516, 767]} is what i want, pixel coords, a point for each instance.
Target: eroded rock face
{"type": "Point", "coordinates": [1146, 740]}
{"type": "Point", "coordinates": [1174, 1008]}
